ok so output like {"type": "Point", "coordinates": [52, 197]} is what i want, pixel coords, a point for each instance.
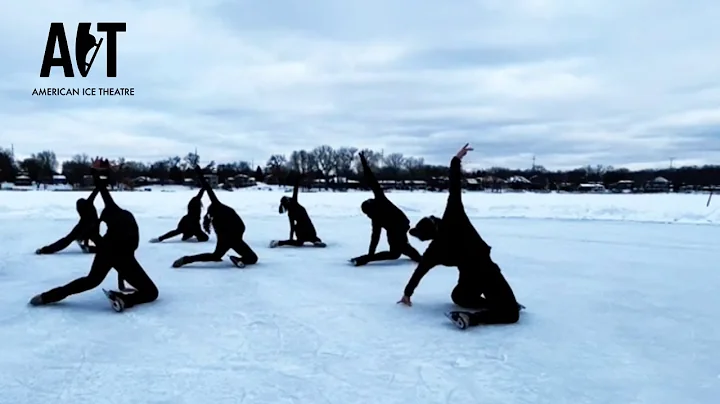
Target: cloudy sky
{"type": "Point", "coordinates": [625, 83]}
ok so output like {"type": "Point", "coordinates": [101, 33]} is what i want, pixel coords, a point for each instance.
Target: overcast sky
{"type": "Point", "coordinates": [626, 83]}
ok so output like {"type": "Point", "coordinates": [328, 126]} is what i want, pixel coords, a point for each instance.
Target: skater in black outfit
{"type": "Point", "coordinates": [456, 243]}
{"type": "Point", "coordinates": [189, 225]}
{"type": "Point", "coordinates": [300, 223]}
{"type": "Point", "coordinates": [116, 249]}
{"type": "Point", "coordinates": [384, 215]}
{"type": "Point", "coordinates": [84, 230]}
{"type": "Point", "coordinates": [229, 229]}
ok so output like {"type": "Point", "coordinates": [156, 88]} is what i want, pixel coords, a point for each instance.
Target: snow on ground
{"type": "Point", "coordinates": [617, 312]}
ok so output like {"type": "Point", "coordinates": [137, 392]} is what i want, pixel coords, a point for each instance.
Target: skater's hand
{"type": "Point", "coordinates": [406, 301]}
{"type": "Point", "coordinates": [465, 149]}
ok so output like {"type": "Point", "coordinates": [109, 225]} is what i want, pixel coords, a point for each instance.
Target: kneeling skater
{"type": "Point", "coordinates": [189, 225]}
{"type": "Point", "coordinates": [229, 229]}
{"type": "Point", "coordinates": [116, 249]}
{"type": "Point", "coordinates": [384, 215]}
{"type": "Point", "coordinates": [300, 223]}
{"type": "Point", "coordinates": [456, 243]}
{"type": "Point", "coordinates": [87, 228]}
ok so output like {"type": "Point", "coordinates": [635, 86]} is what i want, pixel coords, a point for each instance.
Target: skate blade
{"type": "Point", "coordinates": [116, 305]}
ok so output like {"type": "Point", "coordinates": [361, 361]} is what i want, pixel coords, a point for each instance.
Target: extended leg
{"type": "Point", "coordinates": [221, 248]}
{"type": "Point", "coordinates": [133, 273]}
{"type": "Point", "coordinates": [170, 234]}
{"type": "Point", "coordinates": [294, 243]}
{"type": "Point", "coordinates": [57, 246]}
{"type": "Point", "coordinates": [410, 252]}
{"type": "Point", "coordinates": [98, 271]}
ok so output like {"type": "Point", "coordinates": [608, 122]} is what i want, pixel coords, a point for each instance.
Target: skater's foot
{"type": "Point", "coordinates": [237, 261]}
{"type": "Point", "coordinates": [40, 251]}
{"type": "Point", "coordinates": [37, 300]}
{"type": "Point", "coordinates": [154, 240]}
{"type": "Point", "coordinates": [319, 244]}
{"type": "Point", "coordinates": [274, 243]}
{"type": "Point", "coordinates": [179, 262]}
{"type": "Point", "coordinates": [460, 319]}
{"type": "Point", "coordinates": [116, 300]}
{"type": "Point", "coordinates": [357, 262]}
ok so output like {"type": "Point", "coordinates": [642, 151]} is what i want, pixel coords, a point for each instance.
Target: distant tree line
{"type": "Point", "coordinates": [334, 164]}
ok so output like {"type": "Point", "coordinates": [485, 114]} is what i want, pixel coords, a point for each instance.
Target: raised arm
{"type": "Point", "coordinates": [200, 193]}
{"type": "Point", "coordinates": [204, 185]}
{"type": "Point", "coordinates": [370, 178]}
{"type": "Point", "coordinates": [296, 187]}
{"type": "Point", "coordinates": [101, 187]}
{"type": "Point", "coordinates": [93, 194]}
{"type": "Point", "coordinates": [456, 175]}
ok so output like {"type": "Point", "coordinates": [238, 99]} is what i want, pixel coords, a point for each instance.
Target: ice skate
{"type": "Point", "coordinates": [237, 261]}
{"type": "Point", "coordinates": [459, 318]}
{"type": "Point", "coordinates": [116, 301]}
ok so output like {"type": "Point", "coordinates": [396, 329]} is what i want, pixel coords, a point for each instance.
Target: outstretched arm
{"type": "Point", "coordinates": [296, 187]}
{"type": "Point", "coordinates": [200, 193]}
{"type": "Point", "coordinates": [92, 196]}
{"type": "Point", "coordinates": [101, 186]}
{"type": "Point", "coordinates": [423, 267]}
{"type": "Point", "coordinates": [370, 178]}
{"type": "Point", "coordinates": [204, 185]}
{"type": "Point", "coordinates": [64, 242]}
{"type": "Point", "coordinates": [374, 238]}
{"type": "Point", "coordinates": [456, 176]}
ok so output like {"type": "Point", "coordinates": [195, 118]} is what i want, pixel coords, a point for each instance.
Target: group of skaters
{"type": "Point", "coordinates": [481, 291]}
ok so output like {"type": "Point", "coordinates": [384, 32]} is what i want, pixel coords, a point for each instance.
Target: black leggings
{"type": "Point", "coordinates": [247, 255]}
{"type": "Point", "coordinates": [302, 238]}
{"type": "Point", "coordinates": [187, 232]}
{"type": "Point", "coordinates": [399, 245]}
{"type": "Point", "coordinates": [127, 267]}
{"type": "Point", "coordinates": [490, 294]}
{"type": "Point", "coordinates": [63, 243]}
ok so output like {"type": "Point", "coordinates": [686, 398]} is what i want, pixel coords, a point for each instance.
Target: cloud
{"type": "Point", "coordinates": [572, 82]}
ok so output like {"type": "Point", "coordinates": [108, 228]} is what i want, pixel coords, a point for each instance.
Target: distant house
{"type": "Point", "coordinates": [659, 184]}
{"type": "Point", "coordinates": [59, 180]}
{"type": "Point", "coordinates": [242, 181]}
{"type": "Point", "coordinates": [23, 180]}
{"type": "Point", "coordinates": [624, 186]}
{"type": "Point", "coordinates": [473, 184]}
{"type": "Point", "coordinates": [518, 182]}
{"type": "Point", "coordinates": [212, 180]}
{"type": "Point", "coordinates": [591, 187]}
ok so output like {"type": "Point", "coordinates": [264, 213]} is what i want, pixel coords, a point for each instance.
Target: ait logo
{"type": "Point", "coordinates": [85, 42]}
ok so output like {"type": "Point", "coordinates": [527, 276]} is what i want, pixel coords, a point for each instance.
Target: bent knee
{"type": "Point", "coordinates": [250, 259]}
{"type": "Point", "coordinates": [151, 293]}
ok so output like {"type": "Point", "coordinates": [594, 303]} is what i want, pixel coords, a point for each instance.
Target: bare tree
{"type": "Point", "coordinates": [47, 164]}
{"type": "Point", "coordinates": [308, 162]}
{"type": "Point", "coordinates": [276, 163]}
{"type": "Point", "coordinates": [325, 159]}
{"type": "Point", "coordinates": [344, 157]}
{"type": "Point", "coordinates": [394, 162]}
{"type": "Point", "coordinates": [190, 161]}
{"type": "Point", "coordinates": [413, 165]}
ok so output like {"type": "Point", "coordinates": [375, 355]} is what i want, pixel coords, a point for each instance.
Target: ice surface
{"type": "Point", "coordinates": [617, 311]}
